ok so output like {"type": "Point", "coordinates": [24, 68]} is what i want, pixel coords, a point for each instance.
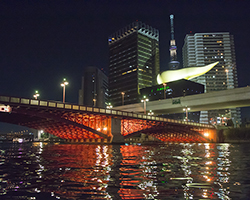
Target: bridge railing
{"type": "Point", "coordinates": [60, 105]}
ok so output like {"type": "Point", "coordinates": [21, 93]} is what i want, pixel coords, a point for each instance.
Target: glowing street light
{"type": "Point", "coordinates": [206, 134]}
{"type": "Point", "coordinates": [164, 85]}
{"type": "Point", "coordinates": [144, 100]}
{"type": "Point", "coordinates": [186, 109]}
{"type": "Point", "coordinates": [94, 100]}
{"type": "Point", "coordinates": [150, 113]}
{"type": "Point", "coordinates": [36, 94]}
{"type": "Point", "coordinates": [109, 106]}
{"type": "Point", "coordinates": [226, 70]}
{"type": "Point", "coordinates": [63, 84]}
{"type": "Point", "coordinates": [122, 98]}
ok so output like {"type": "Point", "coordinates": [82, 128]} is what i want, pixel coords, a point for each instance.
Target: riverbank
{"type": "Point", "coordinates": [235, 135]}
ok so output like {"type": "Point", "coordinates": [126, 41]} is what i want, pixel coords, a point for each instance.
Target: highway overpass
{"type": "Point", "coordinates": [231, 98]}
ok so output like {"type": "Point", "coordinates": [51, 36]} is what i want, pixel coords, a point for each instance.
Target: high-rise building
{"type": "Point", "coordinates": [204, 48]}
{"type": "Point", "coordinates": [133, 62]}
{"type": "Point", "coordinates": [94, 88]}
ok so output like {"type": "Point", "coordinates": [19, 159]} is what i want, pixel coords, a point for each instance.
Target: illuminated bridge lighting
{"type": "Point", "coordinates": [90, 124]}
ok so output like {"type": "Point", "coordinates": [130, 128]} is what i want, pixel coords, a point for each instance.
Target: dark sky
{"type": "Point", "coordinates": [41, 42]}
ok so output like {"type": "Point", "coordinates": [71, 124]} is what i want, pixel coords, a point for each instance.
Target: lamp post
{"type": "Point", "coordinates": [150, 113]}
{"type": "Point", "coordinates": [63, 84]}
{"type": "Point", "coordinates": [227, 78]}
{"type": "Point", "coordinates": [186, 109]}
{"type": "Point", "coordinates": [94, 100]}
{"type": "Point", "coordinates": [164, 85]}
{"type": "Point", "coordinates": [36, 95]}
{"type": "Point", "coordinates": [109, 106]}
{"type": "Point", "coordinates": [144, 100]}
{"type": "Point", "coordinates": [122, 98]}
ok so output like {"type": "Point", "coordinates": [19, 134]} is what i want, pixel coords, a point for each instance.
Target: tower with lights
{"type": "Point", "coordinates": [173, 64]}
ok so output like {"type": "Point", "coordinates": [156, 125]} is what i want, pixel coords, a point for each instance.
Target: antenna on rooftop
{"type": "Point", "coordinates": [172, 26]}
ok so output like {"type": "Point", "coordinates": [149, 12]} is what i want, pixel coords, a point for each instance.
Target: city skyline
{"type": "Point", "coordinates": [44, 42]}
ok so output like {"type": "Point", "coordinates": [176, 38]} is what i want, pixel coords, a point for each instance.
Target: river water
{"type": "Point", "coordinates": [131, 171]}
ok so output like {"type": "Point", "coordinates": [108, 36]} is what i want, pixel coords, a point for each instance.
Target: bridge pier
{"type": "Point", "coordinates": [116, 131]}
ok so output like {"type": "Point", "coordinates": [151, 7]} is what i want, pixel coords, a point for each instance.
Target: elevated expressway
{"type": "Point", "coordinates": [224, 99]}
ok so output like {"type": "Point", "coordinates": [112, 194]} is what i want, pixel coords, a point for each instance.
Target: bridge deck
{"type": "Point", "coordinates": [72, 121]}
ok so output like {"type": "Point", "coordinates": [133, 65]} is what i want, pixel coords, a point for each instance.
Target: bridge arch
{"type": "Point", "coordinates": [82, 123]}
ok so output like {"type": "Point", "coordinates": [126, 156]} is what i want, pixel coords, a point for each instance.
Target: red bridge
{"type": "Point", "coordinates": [90, 124]}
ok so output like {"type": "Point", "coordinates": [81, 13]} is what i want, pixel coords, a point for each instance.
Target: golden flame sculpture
{"type": "Point", "coordinates": [184, 73]}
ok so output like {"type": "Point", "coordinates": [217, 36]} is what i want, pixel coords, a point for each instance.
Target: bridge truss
{"type": "Point", "coordinates": [86, 124]}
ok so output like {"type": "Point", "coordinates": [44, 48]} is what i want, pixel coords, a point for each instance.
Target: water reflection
{"type": "Point", "coordinates": [162, 171]}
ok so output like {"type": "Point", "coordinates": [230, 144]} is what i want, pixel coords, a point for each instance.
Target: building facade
{"type": "Point", "coordinates": [133, 62]}
{"type": "Point", "coordinates": [94, 88]}
{"type": "Point", "coordinates": [179, 88]}
{"type": "Point", "coordinates": [204, 48]}
{"type": "Point", "coordinates": [172, 89]}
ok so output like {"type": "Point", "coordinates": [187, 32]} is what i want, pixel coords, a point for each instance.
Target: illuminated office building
{"type": "Point", "coordinates": [94, 88]}
{"type": "Point", "coordinates": [133, 62]}
{"type": "Point", "coordinates": [204, 48]}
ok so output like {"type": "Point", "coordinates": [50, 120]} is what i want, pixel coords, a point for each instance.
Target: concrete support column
{"type": "Point", "coordinates": [116, 130]}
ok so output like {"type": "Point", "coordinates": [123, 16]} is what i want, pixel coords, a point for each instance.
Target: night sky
{"type": "Point", "coordinates": [41, 42]}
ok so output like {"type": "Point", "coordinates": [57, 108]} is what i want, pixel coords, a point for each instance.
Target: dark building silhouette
{"type": "Point", "coordinates": [172, 89]}
{"type": "Point", "coordinates": [179, 88]}
{"type": "Point", "coordinates": [133, 62]}
{"type": "Point", "coordinates": [94, 88]}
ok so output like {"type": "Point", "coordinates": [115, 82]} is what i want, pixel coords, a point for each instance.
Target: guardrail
{"type": "Point", "coordinates": [60, 105]}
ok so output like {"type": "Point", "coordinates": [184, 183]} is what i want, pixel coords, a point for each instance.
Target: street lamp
{"type": "Point", "coordinates": [186, 109]}
{"type": "Point", "coordinates": [36, 94]}
{"type": "Point", "coordinates": [227, 77]}
{"type": "Point", "coordinates": [63, 84]}
{"type": "Point", "coordinates": [144, 100]}
{"type": "Point", "coordinates": [94, 100]}
{"type": "Point", "coordinates": [109, 106]}
{"type": "Point", "coordinates": [164, 85]}
{"type": "Point", "coordinates": [122, 98]}
{"type": "Point", "coordinates": [150, 113]}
